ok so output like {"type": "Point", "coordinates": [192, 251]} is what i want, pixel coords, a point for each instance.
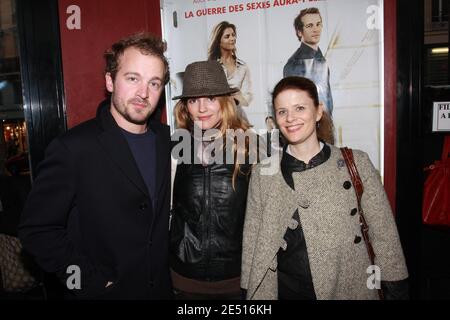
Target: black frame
{"type": "Point", "coordinates": [42, 76]}
{"type": "Point", "coordinates": [410, 32]}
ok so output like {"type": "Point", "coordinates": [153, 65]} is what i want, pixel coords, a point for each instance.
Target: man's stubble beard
{"type": "Point", "coordinates": [123, 109]}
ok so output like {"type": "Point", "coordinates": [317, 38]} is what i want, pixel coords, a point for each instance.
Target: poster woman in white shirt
{"type": "Point", "coordinates": [223, 49]}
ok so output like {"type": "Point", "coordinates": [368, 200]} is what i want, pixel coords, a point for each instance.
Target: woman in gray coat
{"type": "Point", "coordinates": [302, 235]}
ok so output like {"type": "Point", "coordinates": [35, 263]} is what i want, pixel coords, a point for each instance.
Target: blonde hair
{"type": "Point", "coordinates": [230, 119]}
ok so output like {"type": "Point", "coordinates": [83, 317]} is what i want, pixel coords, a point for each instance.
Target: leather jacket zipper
{"type": "Point", "coordinates": [207, 213]}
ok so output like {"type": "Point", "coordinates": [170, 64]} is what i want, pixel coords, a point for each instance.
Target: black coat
{"type": "Point", "coordinates": [90, 207]}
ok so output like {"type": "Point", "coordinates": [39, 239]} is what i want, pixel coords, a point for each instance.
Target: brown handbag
{"type": "Point", "coordinates": [359, 189]}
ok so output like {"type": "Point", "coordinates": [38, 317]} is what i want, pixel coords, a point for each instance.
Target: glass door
{"type": "Point", "coordinates": [13, 138]}
{"type": "Point", "coordinates": [15, 179]}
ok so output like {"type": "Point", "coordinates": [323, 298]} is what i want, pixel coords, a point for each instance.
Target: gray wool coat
{"type": "Point", "coordinates": [338, 261]}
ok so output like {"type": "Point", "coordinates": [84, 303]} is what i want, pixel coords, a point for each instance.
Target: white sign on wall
{"type": "Point", "coordinates": [441, 116]}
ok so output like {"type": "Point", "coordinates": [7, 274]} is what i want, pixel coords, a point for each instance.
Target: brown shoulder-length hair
{"type": "Point", "coordinates": [230, 119]}
{"type": "Point", "coordinates": [216, 35]}
{"type": "Point", "coordinates": [325, 126]}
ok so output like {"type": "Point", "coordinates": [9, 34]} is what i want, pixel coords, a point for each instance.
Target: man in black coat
{"type": "Point", "coordinates": [98, 212]}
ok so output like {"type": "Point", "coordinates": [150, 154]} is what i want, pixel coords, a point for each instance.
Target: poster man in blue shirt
{"type": "Point", "coordinates": [308, 61]}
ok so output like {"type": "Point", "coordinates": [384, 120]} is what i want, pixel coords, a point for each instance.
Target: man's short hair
{"type": "Point", "coordinates": [146, 43]}
{"type": "Point", "coordinates": [298, 23]}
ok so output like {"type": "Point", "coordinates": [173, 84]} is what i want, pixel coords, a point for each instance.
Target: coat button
{"type": "Point", "coordinates": [304, 204]}
{"type": "Point", "coordinates": [357, 239]}
{"type": "Point", "coordinates": [293, 224]}
{"type": "Point", "coordinates": [143, 206]}
{"type": "Point", "coordinates": [354, 211]}
{"type": "Point", "coordinates": [347, 185]}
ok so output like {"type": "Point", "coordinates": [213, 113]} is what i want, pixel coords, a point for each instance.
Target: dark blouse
{"type": "Point", "coordinates": [294, 274]}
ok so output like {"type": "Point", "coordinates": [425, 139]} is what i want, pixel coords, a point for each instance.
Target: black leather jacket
{"type": "Point", "coordinates": [207, 221]}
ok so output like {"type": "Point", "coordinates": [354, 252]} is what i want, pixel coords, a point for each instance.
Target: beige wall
{"type": "Point", "coordinates": [8, 47]}
{"type": "Point", "coordinates": [433, 34]}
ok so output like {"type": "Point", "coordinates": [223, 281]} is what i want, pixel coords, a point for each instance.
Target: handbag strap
{"type": "Point", "coordinates": [446, 148]}
{"type": "Point", "coordinates": [353, 171]}
{"type": "Point", "coordinates": [359, 189]}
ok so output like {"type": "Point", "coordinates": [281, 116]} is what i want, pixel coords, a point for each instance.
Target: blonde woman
{"type": "Point", "coordinates": [209, 194]}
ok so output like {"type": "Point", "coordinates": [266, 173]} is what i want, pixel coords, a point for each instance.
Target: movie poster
{"type": "Point", "coordinates": [340, 47]}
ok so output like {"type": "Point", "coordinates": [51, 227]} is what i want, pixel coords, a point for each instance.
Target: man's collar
{"type": "Point", "coordinates": [309, 46]}
{"type": "Point", "coordinates": [308, 51]}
